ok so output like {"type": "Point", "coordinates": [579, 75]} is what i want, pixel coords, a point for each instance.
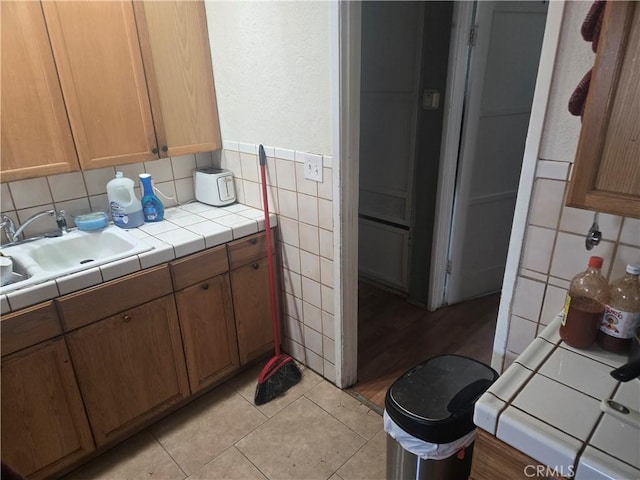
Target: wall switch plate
{"type": "Point", "coordinates": [313, 167]}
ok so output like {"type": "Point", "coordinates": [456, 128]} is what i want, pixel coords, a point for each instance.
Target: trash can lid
{"type": "Point", "coordinates": [434, 400]}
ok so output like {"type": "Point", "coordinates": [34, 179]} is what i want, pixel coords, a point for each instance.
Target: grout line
{"type": "Point", "coordinates": [148, 430]}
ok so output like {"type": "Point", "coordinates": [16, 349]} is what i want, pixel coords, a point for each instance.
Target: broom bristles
{"type": "Point", "coordinates": [276, 379]}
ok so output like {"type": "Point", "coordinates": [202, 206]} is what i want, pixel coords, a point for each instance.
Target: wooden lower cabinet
{"type": "Point", "coordinates": [495, 460]}
{"type": "Point", "coordinates": [208, 331]}
{"type": "Point", "coordinates": [44, 426]}
{"type": "Point", "coordinates": [130, 367]}
{"type": "Point", "coordinates": [252, 307]}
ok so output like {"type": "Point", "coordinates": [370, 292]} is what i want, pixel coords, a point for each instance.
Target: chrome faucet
{"type": "Point", "coordinates": [13, 235]}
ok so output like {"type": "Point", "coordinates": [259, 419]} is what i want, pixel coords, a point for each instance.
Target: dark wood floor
{"type": "Point", "coordinates": [393, 336]}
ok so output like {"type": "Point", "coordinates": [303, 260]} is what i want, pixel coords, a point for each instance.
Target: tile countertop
{"type": "Point", "coordinates": [547, 405]}
{"type": "Point", "coordinates": [186, 229]}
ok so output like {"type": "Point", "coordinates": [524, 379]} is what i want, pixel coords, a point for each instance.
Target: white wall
{"type": "Point", "coordinates": [553, 234]}
{"type": "Point", "coordinates": [272, 69]}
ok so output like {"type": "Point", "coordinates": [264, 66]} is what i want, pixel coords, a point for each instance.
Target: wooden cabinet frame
{"type": "Point", "coordinates": [612, 84]}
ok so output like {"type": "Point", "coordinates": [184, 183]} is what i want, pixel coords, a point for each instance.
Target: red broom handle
{"type": "Point", "coordinates": [267, 226]}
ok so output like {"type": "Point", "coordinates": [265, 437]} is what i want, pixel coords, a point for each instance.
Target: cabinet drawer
{"type": "Point", "coordinates": [198, 267]}
{"type": "Point", "coordinates": [249, 249]}
{"type": "Point", "coordinates": [29, 326]}
{"type": "Point", "coordinates": [82, 308]}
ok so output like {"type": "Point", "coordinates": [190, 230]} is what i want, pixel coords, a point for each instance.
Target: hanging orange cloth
{"type": "Point", "coordinates": [591, 33]}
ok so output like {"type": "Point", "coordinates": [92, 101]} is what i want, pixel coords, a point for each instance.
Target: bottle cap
{"type": "Point", "coordinates": [595, 262]}
{"type": "Point", "coordinates": [633, 269]}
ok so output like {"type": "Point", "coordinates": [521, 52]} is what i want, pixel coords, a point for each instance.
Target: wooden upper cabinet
{"type": "Point", "coordinates": [97, 53]}
{"type": "Point", "coordinates": [606, 173]}
{"type": "Point", "coordinates": [177, 59]}
{"type": "Point", "coordinates": [36, 137]}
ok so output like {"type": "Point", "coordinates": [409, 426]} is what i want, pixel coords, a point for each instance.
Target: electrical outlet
{"type": "Point", "coordinates": [313, 167]}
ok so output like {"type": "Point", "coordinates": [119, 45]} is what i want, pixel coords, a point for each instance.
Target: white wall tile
{"type": "Point", "coordinates": [314, 361]}
{"type": "Point", "coordinates": [325, 214]}
{"type": "Point", "coordinates": [521, 334]}
{"type": "Point", "coordinates": [30, 193]}
{"type": "Point", "coordinates": [326, 272]}
{"type": "Point", "coordinates": [329, 349]}
{"type": "Point", "coordinates": [134, 169]}
{"type": "Point", "coordinates": [6, 203]}
{"type": "Point", "coordinates": [571, 257]}
{"type": "Point", "coordinates": [293, 306]}
{"type": "Point", "coordinates": [292, 283]}
{"type": "Point", "coordinates": [67, 186]}
{"type": "Point", "coordinates": [326, 244]}
{"type": "Point", "coordinates": [99, 203]}
{"type": "Point", "coordinates": [541, 277]}
{"type": "Point", "coordinates": [288, 204]}
{"type": "Point", "coordinates": [630, 233]}
{"type": "Point", "coordinates": [96, 180]}
{"type": "Point", "coordinates": [205, 159]}
{"type": "Point", "coordinates": [290, 257]}
{"type": "Point", "coordinates": [185, 191]}
{"type": "Point", "coordinates": [329, 372]}
{"type": "Point", "coordinates": [538, 246]}
{"type": "Point", "coordinates": [32, 295]}
{"type": "Point", "coordinates": [231, 161]}
{"type": "Point", "coordinates": [328, 161]}
{"type": "Point", "coordinates": [169, 195]}
{"type": "Point", "coordinates": [306, 186]}
{"type": "Point", "coordinates": [253, 194]}
{"type": "Point", "coordinates": [579, 221]}
{"type": "Point", "coordinates": [328, 325]}
{"type": "Point", "coordinates": [73, 208]}
{"type": "Point", "coordinates": [285, 154]}
{"type": "Point", "coordinates": [286, 174]}
{"type": "Point", "coordinates": [624, 255]}
{"type": "Point", "coordinates": [327, 299]}
{"type": "Point", "coordinates": [312, 316]}
{"type": "Point", "coordinates": [183, 166]}
{"type": "Point", "coordinates": [308, 209]}
{"type": "Point", "coordinates": [552, 169]}
{"type": "Point", "coordinates": [546, 203]}
{"type": "Point", "coordinates": [289, 231]}
{"type": "Point", "coordinates": [325, 188]}
{"type": "Point", "coordinates": [309, 238]}
{"type": "Point", "coordinates": [310, 265]}
{"type": "Point", "coordinates": [527, 300]}
{"type": "Point", "coordinates": [311, 292]}
{"type": "Point", "coordinates": [559, 282]}
{"type": "Point", "coordinates": [230, 145]}
{"type": "Point", "coordinates": [247, 148]}
{"type": "Point", "coordinates": [41, 225]}
{"type": "Point", "coordinates": [160, 170]}
{"type": "Point", "coordinates": [293, 329]}
{"type": "Point", "coordinates": [249, 164]}
{"type": "Point", "coordinates": [552, 304]}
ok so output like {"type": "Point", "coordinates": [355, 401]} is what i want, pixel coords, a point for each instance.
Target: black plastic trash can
{"type": "Point", "coordinates": [428, 418]}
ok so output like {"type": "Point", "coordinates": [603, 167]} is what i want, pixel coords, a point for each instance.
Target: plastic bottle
{"type": "Point", "coordinates": [152, 207]}
{"type": "Point", "coordinates": [584, 306]}
{"type": "Point", "coordinates": [622, 312]}
{"type": "Point", "coordinates": [126, 209]}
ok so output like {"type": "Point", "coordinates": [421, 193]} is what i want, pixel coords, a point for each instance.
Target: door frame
{"type": "Point", "coordinates": [346, 137]}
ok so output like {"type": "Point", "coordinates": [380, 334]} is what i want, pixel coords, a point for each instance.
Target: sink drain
{"type": "Point", "coordinates": [82, 262]}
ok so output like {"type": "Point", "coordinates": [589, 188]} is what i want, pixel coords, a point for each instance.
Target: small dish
{"type": "Point", "coordinates": [92, 221]}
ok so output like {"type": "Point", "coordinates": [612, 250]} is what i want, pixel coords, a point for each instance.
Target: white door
{"type": "Point", "coordinates": [501, 82]}
{"type": "Point", "coordinates": [391, 52]}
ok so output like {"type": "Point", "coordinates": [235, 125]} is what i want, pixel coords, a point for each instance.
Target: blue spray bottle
{"type": "Point", "coordinates": [152, 207]}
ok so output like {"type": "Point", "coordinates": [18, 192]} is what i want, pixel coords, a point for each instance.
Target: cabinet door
{"type": "Point", "coordinates": [252, 307]}
{"type": "Point", "coordinates": [606, 172]}
{"type": "Point", "coordinates": [36, 138]}
{"type": "Point", "coordinates": [208, 331]}
{"type": "Point", "coordinates": [44, 426]}
{"type": "Point", "coordinates": [95, 45]}
{"type": "Point", "coordinates": [175, 48]}
{"type": "Point", "coordinates": [130, 367]}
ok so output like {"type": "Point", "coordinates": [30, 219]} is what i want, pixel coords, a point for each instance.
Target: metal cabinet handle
{"type": "Point", "coordinates": [253, 241]}
{"type": "Point", "coordinates": [154, 150]}
{"type": "Point", "coordinates": [165, 148]}
{"type": "Point", "coordinates": [205, 286]}
{"type": "Point", "coordinates": [256, 266]}
{"type": "Point", "coordinates": [126, 318]}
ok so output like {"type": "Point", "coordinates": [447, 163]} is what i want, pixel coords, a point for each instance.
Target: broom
{"type": "Point", "coordinates": [280, 373]}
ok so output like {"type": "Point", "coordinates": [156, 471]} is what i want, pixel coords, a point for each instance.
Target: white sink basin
{"type": "Point", "coordinates": [48, 258]}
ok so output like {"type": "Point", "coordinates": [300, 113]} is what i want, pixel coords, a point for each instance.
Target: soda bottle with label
{"type": "Point", "coordinates": [584, 306]}
{"type": "Point", "coordinates": [622, 312]}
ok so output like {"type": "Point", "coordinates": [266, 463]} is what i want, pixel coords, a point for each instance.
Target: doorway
{"type": "Point", "coordinates": [405, 248]}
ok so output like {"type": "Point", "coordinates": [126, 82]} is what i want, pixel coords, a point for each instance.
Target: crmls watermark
{"type": "Point", "coordinates": [533, 471]}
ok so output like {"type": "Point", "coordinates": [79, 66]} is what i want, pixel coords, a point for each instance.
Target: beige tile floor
{"type": "Point", "coordinates": [314, 431]}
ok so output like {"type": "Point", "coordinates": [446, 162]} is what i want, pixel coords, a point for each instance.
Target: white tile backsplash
{"type": "Point", "coordinates": [312, 316]}
{"type": "Point", "coordinates": [527, 301]}
{"type": "Point", "coordinates": [546, 203]}
{"type": "Point", "coordinates": [310, 265]}
{"type": "Point", "coordinates": [309, 238]}
{"type": "Point", "coordinates": [286, 174]}
{"type": "Point", "coordinates": [625, 255]}
{"type": "Point", "coordinates": [630, 232]}
{"type": "Point", "coordinates": [521, 333]}
{"type": "Point", "coordinates": [311, 292]}
{"type": "Point", "coordinates": [67, 186]}
{"type": "Point", "coordinates": [571, 257]}
{"type": "Point", "coordinates": [30, 193]}
{"type": "Point", "coordinates": [538, 246]}
{"type": "Point", "coordinates": [249, 165]}
{"type": "Point", "coordinates": [308, 209]}
{"type": "Point", "coordinates": [6, 203]}
{"type": "Point", "coordinates": [579, 221]}
{"type": "Point", "coordinates": [183, 166]}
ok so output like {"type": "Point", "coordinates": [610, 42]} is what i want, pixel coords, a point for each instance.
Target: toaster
{"type": "Point", "coordinates": [214, 186]}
